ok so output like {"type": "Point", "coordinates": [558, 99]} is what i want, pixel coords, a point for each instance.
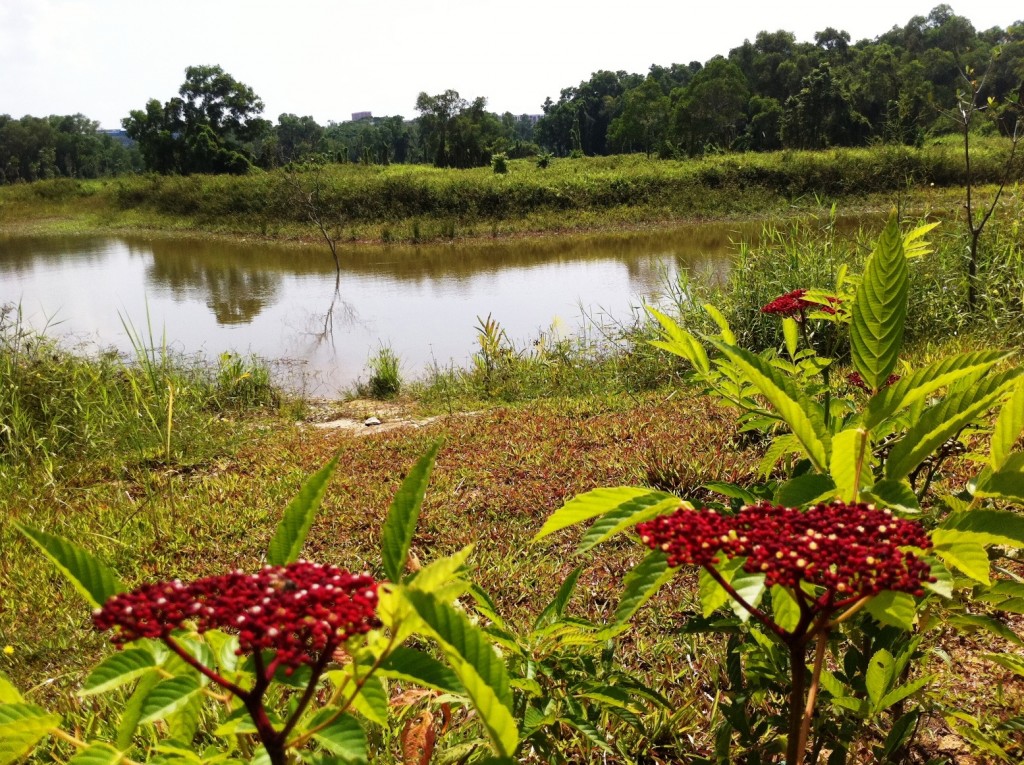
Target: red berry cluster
{"type": "Point", "coordinates": [298, 610]}
{"type": "Point", "coordinates": [852, 551]}
{"type": "Point", "coordinates": [793, 303]}
{"type": "Point", "coordinates": [855, 380]}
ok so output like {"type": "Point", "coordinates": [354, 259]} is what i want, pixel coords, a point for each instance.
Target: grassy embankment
{"type": "Point", "coordinates": [87, 451]}
{"type": "Point", "coordinates": [414, 204]}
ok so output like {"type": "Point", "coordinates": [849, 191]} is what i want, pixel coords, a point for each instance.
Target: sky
{"type": "Point", "coordinates": [328, 59]}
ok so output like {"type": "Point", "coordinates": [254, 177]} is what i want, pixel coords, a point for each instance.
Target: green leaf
{"type": "Point", "coordinates": [90, 576]}
{"type": "Point", "coordinates": [850, 466]}
{"type": "Point", "coordinates": [183, 723]}
{"type": "Point", "coordinates": [785, 609]}
{"type": "Point", "coordinates": [583, 507]}
{"type": "Point", "coordinates": [8, 693]}
{"type": "Point", "coordinates": [627, 516]}
{"type": "Point", "coordinates": [723, 324]}
{"type": "Point", "coordinates": [712, 595]}
{"type": "Point", "coordinates": [680, 342]}
{"type": "Point", "coordinates": [917, 385]}
{"type": "Point", "coordinates": [943, 584]}
{"type": "Point", "coordinates": [167, 697]}
{"type": "Point", "coordinates": [1008, 427]}
{"type": "Point", "coordinates": [986, 623]}
{"type": "Point", "coordinates": [118, 669]}
{"type": "Point", "coordinates": [905, 690]}
{"type": "Point", "coordinates": [400, 524]}
{"type": "Point", "coordinates": [298, 517]}
{"type": "Point", "coordinates": [895, 495]}
{"type": "Point", "coordinates": [344, 737]}
{"type": "Point", "coordinates": [801, 414]}
{"type": "Point", "coordinates": [791, 332]}
{"type": "Point", "coordinates": [945, 420]}
{"type": "Point", "coordinates": [1006, 484]}
{"type": "Point", "coordinates": [22, 726]}
{"type": "Point", "coordinates": [412, 666]}
{"type": "Point", "coordinates": [805, 489]}
{"type": "Point", "coordinates": [880, 309]}
{"type": "Point", "coordinates": [97, 754]}
{"type": "Point", "coordinates": [554, 610]}
{"type": "Point", "coordinates": [132, 713]}
{"type": "Point", "coordinates": [879, 676]}
{"type": "Point", "coordinates": [965, 554]}
{"type": "Point", "coordinates": [479, 669]}
{"type": "Point", "coordinates": [639, 585]}
{"type": "Point", "coordinates": [897, 609]}
{"type": "Point", "coordinates": [750, 587]}
{"type": "Point", "coordinates": [1011, 662]}
{"type": "Point", "coordinates": [831, 683]}
{"type": "Point", "coordinates": [900, 733]}
{"type": "Point", "coordinates": [987, 527]}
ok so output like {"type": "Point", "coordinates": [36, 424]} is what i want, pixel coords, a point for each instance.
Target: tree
{"type": "Point", "coordinates": [456, 132]}
{"type": "Point", "coordinates": [710, 112]}
{"type": "Point", "coordinates": [821, 114]}
{"type": "Point", "coordinates": [644, 120]}
{"type": "Point", "coordinates": [212, 126]}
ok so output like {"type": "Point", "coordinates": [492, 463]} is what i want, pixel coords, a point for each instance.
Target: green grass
{"type": "Point", "coordinates": [416, 203]}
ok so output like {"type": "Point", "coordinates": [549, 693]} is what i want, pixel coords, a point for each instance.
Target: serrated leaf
{"type": "Point", "coordinates": [900, 733]}
{"type": "Point", "coordinates": [343, 737]}
{"type": "Point", "coordinates": [554, 610]}
{"type": "Point", "coordinates": [723, 324]}
{"type": "Point", "coordinates": [986, 623]}
{"type": "Point", "coordinates": [968, 556]}
{"type": "Point", "coordinates": [916, 386]}
{"type": "Point", "coordinates": [879, 676]}
{"type": "Point", "coordinates": [751, 588]}
{"type": "Point", "coordinates": [850, 466]}
{"type": "Point", "coordinates": [731, 490]}
{"type": "Point", "coordinates": [897, 609]}
{"type": "Point", "coordinates": [791, 333]}
{"type": "Point", "coordinates": [372, 700]}
{"type": "Point", "coordinates": [118, 669]}
{"type": "Point", "coordinates": [132, 713]}
{"type": "Point", "coordinates": [90, 576]}
{"type": "Point", "coordinates": [167, 697]}
{"type": "Point", "coordinates": [777, 449]}
{"type": "Point", "coordinates": [680, 342]}
{"type": "Point", "coordinates": [400, 524]}
{"type": "Point", "coordinates": [639, 585]}
{"type": "Point", "coordinates": [943, 584]}
{"type": "Point", "coordinates": [627, 516]}
{"type": "Point", "coordinates": [583, 507]}
{"type": "Point", "coordinates": [785, 609]}
{"type": "Point", "coordinates": [410, 665]}
{"type": "Point", "coordinates": [1008, 427]}
{"type": "Point", "coordinates": [895, 495]}
{"type": "Point", "coordinates": [801, 414]}
{"type": "Point", "coordinates": [712, 595]}
{"type": "Point", "coordinates": [1009, 661]}
{"type": "Point", "coordinates": [914, 244]}
{"type": "Point", "coordinates": [97, 754]}
{"type": "Point", "coordinates": [831, 683]}
{"type": "Point", "coordinates": [987, 527]}
{"type": "Point", "coordinates": [880, 309]}
{"type": "Point", "coordinates": [479, 669]}
{"type": "Point", "coordinates": [183, 723]}
{"type": "Point", "coordinates": [298, 517]}
{"type": "Point", "coordinates": [22, 726]}
{"type": "Point", "coordinates": [1006, 484]}
{"type": "Point", "coordinates": [805, 489]}
{"type": "Point", "coordinates": [943, 421]}
{"type": "Point", "coordinates": [903, 691]}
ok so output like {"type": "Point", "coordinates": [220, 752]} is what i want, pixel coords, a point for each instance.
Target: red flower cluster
{"type": "Point", "coordinates": [857, 381]}
{"type": "Point", "coordinates": [852, 551]}
{"type": "Point", "coordinates": [793, 303]}
{"type": "Point", "coordinates": [298, 611]}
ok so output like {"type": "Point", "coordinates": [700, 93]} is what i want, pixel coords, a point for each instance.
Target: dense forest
{"type": "Point", "coordinates": [770, 93]}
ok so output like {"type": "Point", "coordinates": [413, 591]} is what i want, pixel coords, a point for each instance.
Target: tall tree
{"type": "Point", "coordinates": [211, 126]}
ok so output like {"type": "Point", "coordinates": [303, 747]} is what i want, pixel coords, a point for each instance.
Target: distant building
{"type": "Point", "coordinates": [118, 135]}
{"type": "Point", "coordinates": [356, 116]}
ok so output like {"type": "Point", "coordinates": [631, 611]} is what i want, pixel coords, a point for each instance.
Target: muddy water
{"type": "Point", "coordinates": [288, 305]}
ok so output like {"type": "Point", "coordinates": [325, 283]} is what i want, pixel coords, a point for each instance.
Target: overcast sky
{"type": "Point", "coordinates": [329, 58]}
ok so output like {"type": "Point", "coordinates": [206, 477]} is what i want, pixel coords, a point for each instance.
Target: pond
{"type": "Point", "coordinates": [287, 304]}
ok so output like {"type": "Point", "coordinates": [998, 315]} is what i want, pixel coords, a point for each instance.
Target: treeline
{"type": "Point", "coordinates": [777, 93]}
{"type": "Point", "coordinates": [764, 95]}
{"type": "Point", "coordinates": [69, 146]}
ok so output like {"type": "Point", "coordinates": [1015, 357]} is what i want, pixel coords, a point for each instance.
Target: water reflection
{"type": "Point", "coordinates": [288, 302]}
